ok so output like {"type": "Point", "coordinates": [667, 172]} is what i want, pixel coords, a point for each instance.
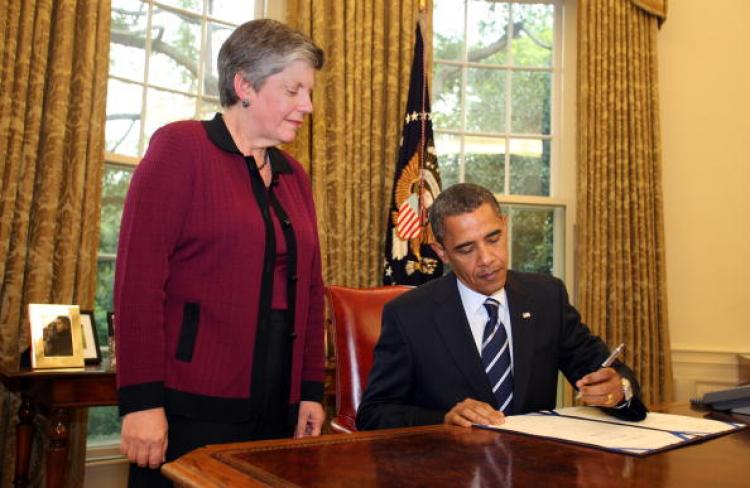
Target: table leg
{"type": "Point", "coordinates": [24, 437]}
{"type": "Point", "coordinates": [57, 455]}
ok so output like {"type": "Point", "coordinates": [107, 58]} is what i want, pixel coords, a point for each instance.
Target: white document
{"type": "Point", "coordinates": [591, 426]}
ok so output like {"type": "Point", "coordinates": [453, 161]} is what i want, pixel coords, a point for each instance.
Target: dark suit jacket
{"type": "Point", "coordinates": [426, 360]}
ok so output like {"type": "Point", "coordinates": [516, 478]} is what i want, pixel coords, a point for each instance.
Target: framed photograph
{"type": "Point", "coordinates": [56, 336]}
{"type": "Point", "coordinates": [91, 352]}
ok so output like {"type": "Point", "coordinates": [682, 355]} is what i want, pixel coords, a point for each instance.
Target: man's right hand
{"type": "Point", "coordinates": [144, 437]}
{"type": "Point", "coordinates": [470, 412]}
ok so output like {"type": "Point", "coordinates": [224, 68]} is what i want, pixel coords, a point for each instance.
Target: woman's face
{"type": "Point", "coordinates": [283, 101]}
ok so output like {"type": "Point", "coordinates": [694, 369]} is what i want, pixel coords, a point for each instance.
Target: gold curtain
{"type": "Point", "coordinates": [54, 58]}
{"type": "Point", "coordinates": [350, 146]}
{"type": "Point", "coordinates": [620, 255]}
{"type": "Point", "coordinates": [657, 8]}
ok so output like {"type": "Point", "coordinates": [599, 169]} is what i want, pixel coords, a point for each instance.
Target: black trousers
{"type": "Point", "coordinates": [270, 420]}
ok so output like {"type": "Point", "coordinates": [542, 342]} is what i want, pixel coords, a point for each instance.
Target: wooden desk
{"type": "Point", "coordinates": [443, 456]}
{"type": "Point", "coordinates": [56, 392]}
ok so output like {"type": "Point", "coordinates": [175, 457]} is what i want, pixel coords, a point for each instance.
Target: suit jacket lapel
{"type": "Point", "coordinates": [454, 329]}
{"type": "Point", "coordinates": [522, 318]}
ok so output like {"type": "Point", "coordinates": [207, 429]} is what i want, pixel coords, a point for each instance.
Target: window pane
{"type": "Point", "coordinates": [485, 100]}
{"type": "Point", "coordinates": [485, 162]}
{"type": "Point", "coordinates": [103, 426]}
{"type": "Point", "coordinates": [164, 107]}
{"type": "Point", "coordinates": [534, 34]}
{"type": "Point", "coordinates": [449, 148]}
{"type": "Point", "coordinates": [105, 280]}
{"type": "Point", "coordinates": [208, 109]}
{"type": "Point", "coordinates": [529, 166]}
{"type": "Point", "coordinates": [217, 34]}
{"type": "Point", "coordinates": [175, 48]}
{"type": "Point", "coordinates": [531, 239]}
{"type": "Point", "coordinates": [446, 106]}
{"type": "Point", "coordinates": [123, 117]}
{"type": "Point", "coordinates": [127, 55]}
{"type": "Point", "coordinates": [114, 189]}
{"type": "Point", "coordinates": [531, 94]}
{"type": "Point", "coordinates": [448, 29]}
{"type": "Point", "coordinates": [192, 5]}
{"type": "Point", "coordinates": [487, 32]}
{"type": "Point", "coordinates": [230, 10]}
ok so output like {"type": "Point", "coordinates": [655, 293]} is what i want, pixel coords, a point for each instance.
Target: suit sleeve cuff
{"type": "Point", "coordinates": [312, 391]}
{"type": "Point", "coordinates": [138, 397]}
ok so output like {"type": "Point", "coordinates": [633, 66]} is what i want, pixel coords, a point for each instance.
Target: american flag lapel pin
{"type": "Point", "coordinates": [526, 315]}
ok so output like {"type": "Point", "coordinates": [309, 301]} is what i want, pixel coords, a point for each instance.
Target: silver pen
{"type": "Point", "coordinates": [608, 362]}
{"type": "Point", "coordinates": [611, 358]}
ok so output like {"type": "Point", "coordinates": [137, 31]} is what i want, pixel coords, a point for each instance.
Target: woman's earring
{"type": "Point", "coordinates": [245, 102]}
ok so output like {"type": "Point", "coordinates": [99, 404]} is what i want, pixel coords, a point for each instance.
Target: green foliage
{"type": "Point", "coordinates": [104, 424]}
{"type": "Point", "coordinates": [105, 280]}
{"type": "Point", "coordinates": [485, 100]}
{"type": "Point", "coordinates": [531, 246]}
{"type": "Point", "coordinates": [530, 102]}
{"type": "Point", "coordinates": [116, 181]}
{"type": "Point", "coordinates": [487, 170]}
{"type": "Point", "coordinates": [530, 174]}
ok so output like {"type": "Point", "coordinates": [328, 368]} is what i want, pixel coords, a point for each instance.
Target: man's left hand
{"type": "Point", "coordinates": [310, 419]}
{"type": "Point", "coordinates": [602, 388]}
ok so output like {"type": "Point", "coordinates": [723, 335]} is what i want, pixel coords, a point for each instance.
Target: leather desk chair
{"type": "Point", "coordinates": [355, 324]}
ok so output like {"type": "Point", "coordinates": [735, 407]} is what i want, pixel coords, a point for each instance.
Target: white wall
{"type": "Point", "coordinates": [704, 71]}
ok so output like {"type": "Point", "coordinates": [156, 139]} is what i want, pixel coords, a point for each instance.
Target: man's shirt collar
{"type": "Point", "coordinates": [474, 301]}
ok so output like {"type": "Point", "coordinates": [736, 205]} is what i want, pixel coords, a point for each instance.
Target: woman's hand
{"type": "Point", "coordinates": [144, 437]}
{"type": "Point", "coordinates": [310, 419]}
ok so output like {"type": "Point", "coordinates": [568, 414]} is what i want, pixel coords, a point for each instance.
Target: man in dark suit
{"type": "Point", "coordinates": [483, 341]}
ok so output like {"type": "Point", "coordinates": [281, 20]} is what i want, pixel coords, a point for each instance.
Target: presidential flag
{"type": "Point", "coordinates": [409, 259]}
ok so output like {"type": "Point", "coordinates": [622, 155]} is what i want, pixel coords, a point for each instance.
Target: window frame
{"type": "Point", "coordinates": [561, 199]}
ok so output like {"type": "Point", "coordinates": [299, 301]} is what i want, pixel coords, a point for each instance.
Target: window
{"type": "Point", "coordinates": [496, 104]}
{"type": "Point", "coordinates": [162, 68]}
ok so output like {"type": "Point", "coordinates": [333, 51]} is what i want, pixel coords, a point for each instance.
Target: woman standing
{"type": "Point", "coordinates": [218, 288]}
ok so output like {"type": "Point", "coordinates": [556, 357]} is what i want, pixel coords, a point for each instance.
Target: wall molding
{"type": "Point", "coordinates": [696, 371]}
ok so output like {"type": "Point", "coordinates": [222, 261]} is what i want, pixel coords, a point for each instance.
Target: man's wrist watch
{"type": "Point", "coordinates": [627, 390]}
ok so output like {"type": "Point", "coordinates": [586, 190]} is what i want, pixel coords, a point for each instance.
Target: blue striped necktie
{"type": "Point", "coordinates": [496, 357]}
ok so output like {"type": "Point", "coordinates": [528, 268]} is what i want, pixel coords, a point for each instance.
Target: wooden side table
{"type": "Point", "coordinates": [55, 392]}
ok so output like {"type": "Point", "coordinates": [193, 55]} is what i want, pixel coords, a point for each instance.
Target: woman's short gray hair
{"type": "Point", "coordinates": [458, 199]}
{"type": "Point", "coordinates": [258, 49]}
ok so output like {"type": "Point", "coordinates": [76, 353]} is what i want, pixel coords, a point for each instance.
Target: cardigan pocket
{"type": "Point", "coordinates": [188, 332]}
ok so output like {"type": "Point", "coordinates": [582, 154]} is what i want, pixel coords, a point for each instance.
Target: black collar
{"type": "Point", "coordinates": [217, 132]}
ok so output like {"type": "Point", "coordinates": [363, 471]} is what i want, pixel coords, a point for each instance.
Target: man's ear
{"type": "Point", "coordinates": [440, 251]}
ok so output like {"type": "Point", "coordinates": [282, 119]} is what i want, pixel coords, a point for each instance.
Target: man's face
{"type": "Point", "coordinates": [475, 245]}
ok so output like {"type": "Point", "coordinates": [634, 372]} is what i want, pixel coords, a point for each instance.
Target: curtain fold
{"type": "Point", "coordinates": [54, 57]}
{"type": "Point", "coordinates": [620, 234]}
{"type": "Point", "coordinates": [350, 147]}
{"type": "Point", "coordinates": [657, 8]}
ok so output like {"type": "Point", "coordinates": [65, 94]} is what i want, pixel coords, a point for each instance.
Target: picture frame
{"type": "Point", "coordinates": [111, 324]}
{"type": "Point", "coordinates": [112, 341]}
{"type": "Point", "coordinates": [56, 336]}
{"type": "Point", "coordinates": [92, 353]}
